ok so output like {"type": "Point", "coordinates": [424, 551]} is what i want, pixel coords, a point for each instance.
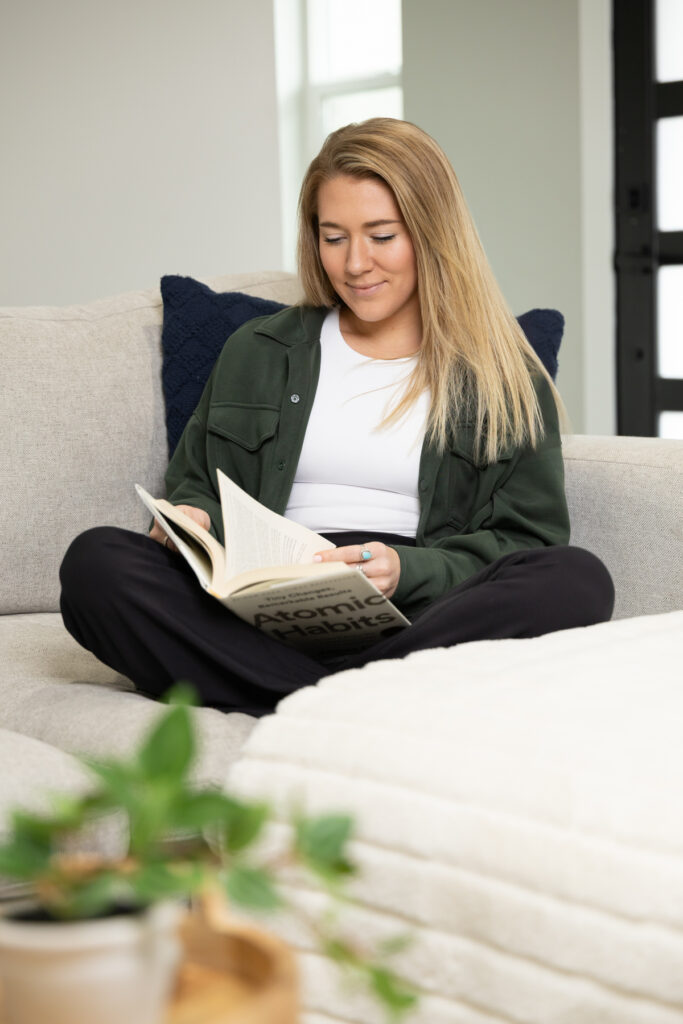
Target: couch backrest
{"type": "Point", "coordinates": [81, 421]}
{"type": "Point", "coordinates": [625, 499]}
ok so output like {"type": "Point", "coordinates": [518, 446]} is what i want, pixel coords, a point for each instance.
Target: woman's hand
{"type": "Point", "coordinates": [158, 534]}
{"type": "Point", "coordinates": [383, 568]}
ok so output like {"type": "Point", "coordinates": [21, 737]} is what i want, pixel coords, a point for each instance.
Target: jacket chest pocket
{"type": "Point", "coordinates": [247, 426]}
{"type": "Point", "coordinates": [239, 439]}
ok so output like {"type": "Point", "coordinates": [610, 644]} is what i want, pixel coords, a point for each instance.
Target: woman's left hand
{"type": "Point", "coordinates": [383, 568]}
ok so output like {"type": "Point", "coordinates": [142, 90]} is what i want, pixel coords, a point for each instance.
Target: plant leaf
{"type": "Point", "coordinates": [253, 888]}
{"type": "Point", "coordinates": [23, 857]}
{"type": "Point", "coordinates": [340, 951]}
{"type": "Point", "coordinates": [202, 809]}
{"type": "Point", "coordinates": [395, 944]}
{"type": "Point", "coordinates": [156, 881]}
{"type": "Point", "coordinates": [182, 693]}
{"type": "Point", "coordinates": [396, 995]}
{"type": "Point", "coordinates": [91, 897]}
{"type": "Point", "coordinates": [238, 824]}
{"type": "Point", "coordinates": [321, 843]}
{"type": "Point", "coordinates": [41, 828]}
{"type": "Point", "coordinates": [245, 825]}
{"type": "Point", "coordinates": [118, 783]}
{"type": "Point", "coordinates": [151, 817]}
{"type": "Point", "coordinates": [169, 749]}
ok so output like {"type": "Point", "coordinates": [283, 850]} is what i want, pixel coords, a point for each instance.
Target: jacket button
{"type": "Point", "coordinates": [424, 484]}
{"type": "Point", "coordinates": [295, 398]}
{"type": "Point", "coordinates": [281, 465]}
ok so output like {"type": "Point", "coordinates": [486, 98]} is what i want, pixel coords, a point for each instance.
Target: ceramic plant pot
{"type": "Point", "coordinates": [115, 970]}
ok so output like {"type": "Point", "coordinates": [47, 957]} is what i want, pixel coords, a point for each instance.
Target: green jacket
{"type": "Point", "coordinates": [251, 421]}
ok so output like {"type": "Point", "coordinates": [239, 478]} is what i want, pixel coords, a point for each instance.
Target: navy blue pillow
{"type": "Point", "coordinates": [198, 322]}
{"type": "Point", "coordinates": [544, 329]}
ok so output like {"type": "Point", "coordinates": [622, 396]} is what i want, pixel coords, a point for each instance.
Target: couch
{"type": "Point", "coordinates": [523, 823]}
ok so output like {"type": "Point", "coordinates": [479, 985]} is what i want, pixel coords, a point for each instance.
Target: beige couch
{"type": "Point", "coordinates": [82, 420]}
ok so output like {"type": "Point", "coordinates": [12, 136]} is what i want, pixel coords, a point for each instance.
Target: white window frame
{"type": "Point", "coordinates": [317, 94]}
{"type": "Point", "coordinates": [300, 104]}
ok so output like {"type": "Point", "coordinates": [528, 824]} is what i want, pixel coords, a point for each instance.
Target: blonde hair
{"type": "Point", "coordinates": [474, 357]}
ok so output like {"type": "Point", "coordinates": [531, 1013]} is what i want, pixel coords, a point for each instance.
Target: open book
{"type": "Point", "coordinates": [265, 574]}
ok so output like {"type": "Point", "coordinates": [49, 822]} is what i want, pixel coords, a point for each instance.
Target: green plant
{"type": "Point", "coordinates": [183, 841]}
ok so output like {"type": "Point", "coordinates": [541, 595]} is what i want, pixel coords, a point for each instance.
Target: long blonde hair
{"type": "Point", "coordinates": [474, 358]}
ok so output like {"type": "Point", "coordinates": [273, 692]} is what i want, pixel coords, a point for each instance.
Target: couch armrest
{"type": "Point", "coordinates": [625, 499]}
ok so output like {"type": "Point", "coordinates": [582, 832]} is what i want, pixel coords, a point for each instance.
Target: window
{"type": "Point", "coordinates": [337, 61]}
{"type": "Point", "coordinates": [354, 61]}
{"type": "Point", "coordinates": [648, 41]}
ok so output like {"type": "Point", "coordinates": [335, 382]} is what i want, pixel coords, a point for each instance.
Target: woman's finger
{"type": "Point", "coordinates": [383, 567]}
{"type": "Point", "coordinates": [352, 553]}
{"type": "Point", "coordinates": [158, 534]}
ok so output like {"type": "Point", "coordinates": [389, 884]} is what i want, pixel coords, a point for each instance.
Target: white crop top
{"type": "Point", "coordinates": [352, 476]}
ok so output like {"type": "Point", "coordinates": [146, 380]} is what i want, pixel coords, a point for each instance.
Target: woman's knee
{"type": "Point", "coordinates": [93, 563]}
{"type": "Point", "coordinates": [586, 583]}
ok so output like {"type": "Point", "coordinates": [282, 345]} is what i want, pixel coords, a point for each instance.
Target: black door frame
{"type": "Point", "coordinates": [640, 247]}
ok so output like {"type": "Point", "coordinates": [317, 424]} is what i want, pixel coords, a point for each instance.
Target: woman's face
{"type": "Point", "coordinates": [367, 252]}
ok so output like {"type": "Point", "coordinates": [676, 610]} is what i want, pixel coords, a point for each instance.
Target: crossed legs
{"type": "Point", "coordinates": [139, 609]}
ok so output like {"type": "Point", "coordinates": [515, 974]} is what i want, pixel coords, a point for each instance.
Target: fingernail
{"type": "Point", "coordinates": [317, 558]}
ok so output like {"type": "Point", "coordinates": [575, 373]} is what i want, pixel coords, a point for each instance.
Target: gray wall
{"type": "Point", "coordinates": [138, 138]}
{"type": "Point", "coordinates": [501, 85]}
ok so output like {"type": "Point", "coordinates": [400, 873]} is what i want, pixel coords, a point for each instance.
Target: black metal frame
{"type": "Point", "coordinates": [640, 248]}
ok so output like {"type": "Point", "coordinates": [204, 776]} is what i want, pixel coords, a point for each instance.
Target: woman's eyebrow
{"type": "Point", "coordinates": [369, 224]}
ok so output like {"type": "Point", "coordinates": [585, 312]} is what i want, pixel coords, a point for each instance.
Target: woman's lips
{"type": "Point", "coordinates": [365, 289]}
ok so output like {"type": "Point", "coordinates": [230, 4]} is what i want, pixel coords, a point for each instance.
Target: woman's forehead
{"type": "Point", "coordinates": [367, 200]}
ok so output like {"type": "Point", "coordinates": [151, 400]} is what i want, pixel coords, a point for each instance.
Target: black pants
{"type": "Point", "coordinates": [139, 609]}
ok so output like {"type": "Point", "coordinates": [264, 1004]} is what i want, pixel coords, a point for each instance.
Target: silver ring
{"type": "Point", "coordinates": [360, 567]}
{"type": "Point", "coordinates": [365, 553]}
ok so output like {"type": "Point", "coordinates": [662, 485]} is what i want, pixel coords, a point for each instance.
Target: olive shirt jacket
{"type": "Point", "coordinates": [251, 421]}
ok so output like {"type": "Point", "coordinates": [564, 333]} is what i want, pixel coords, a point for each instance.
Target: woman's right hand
{"type": "Point", "coordinates": [158, 533]}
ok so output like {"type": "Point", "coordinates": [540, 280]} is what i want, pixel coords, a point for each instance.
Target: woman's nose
{"type": "Point", "coordinates": [358, 258]}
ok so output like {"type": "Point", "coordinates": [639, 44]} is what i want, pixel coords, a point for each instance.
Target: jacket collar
{"type": "Point", "coordinates": [301, 325]}
{"type": "Point", "coordinates": [296, 325]}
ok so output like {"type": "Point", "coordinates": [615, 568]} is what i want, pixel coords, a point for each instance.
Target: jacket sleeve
{"type": "Point", "coordinates": [526, 509]}
{"type": "Point", "coordinates": [188, 480]}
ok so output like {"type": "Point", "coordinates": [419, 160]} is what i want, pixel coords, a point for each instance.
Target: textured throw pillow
{"type": "Point", "coordinates": [198, 322]}
{"type": "Point", "coordinates": [544, 329]}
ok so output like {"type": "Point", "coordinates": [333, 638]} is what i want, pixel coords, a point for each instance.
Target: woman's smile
{"type": "Point", "coordinates": [366, 289]}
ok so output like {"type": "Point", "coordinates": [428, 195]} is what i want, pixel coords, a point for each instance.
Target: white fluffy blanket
{"type": "Point", "coordinates": [519, 809]}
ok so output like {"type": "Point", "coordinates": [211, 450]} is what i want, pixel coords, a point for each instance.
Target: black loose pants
{"type": "Point", "coordinates": [138, 607]}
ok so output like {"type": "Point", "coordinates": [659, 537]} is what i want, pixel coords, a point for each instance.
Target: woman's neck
{"type": "Point", "coordinates": [393, 339]}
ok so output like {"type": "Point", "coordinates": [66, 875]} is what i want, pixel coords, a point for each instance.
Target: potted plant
{"type": "Point", "coordinates": [99, 940]}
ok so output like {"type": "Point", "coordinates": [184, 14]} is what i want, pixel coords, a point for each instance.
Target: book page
{"type": "Point", "coordinates": [198, 548]}
{"type": "Point", "coordinates": [256, 538]}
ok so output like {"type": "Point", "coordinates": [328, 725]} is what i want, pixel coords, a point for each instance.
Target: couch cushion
{"type": "Point", "coordinates": [625, 497]}
{"type": "Point", "coordinates": [53, 690]}
{"type": "Point", "coordinates": [31, 772]}
{"type": "Point", "coordinates": [517, 808]}
{"type": "Point", "coordinates": [82, 420]}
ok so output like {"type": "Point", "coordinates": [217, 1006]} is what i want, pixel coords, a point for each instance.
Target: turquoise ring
{"type": "Point", "coordinates": [365, 554]}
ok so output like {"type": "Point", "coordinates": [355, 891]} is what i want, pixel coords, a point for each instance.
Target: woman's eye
{"type": "Point", "coordinates": [333, 239]}
{"type": "Point", "coordinates": [382, 238]}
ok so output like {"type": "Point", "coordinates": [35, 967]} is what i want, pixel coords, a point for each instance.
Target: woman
{"type": "Point", "coordinates": [400, 412]}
